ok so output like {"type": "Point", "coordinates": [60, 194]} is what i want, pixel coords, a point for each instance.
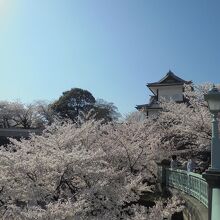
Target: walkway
{"type": "Point", "coordinates": [194, 190]}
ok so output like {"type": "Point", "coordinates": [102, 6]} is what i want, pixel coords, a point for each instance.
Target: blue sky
{"type": "Point", "coordinates": [110, 47]}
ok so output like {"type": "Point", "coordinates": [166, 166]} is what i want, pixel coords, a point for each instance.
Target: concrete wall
{"type": "Point", "coordinates": [18, 132]}
{"type": "Point", "coordinates": [194, 210]}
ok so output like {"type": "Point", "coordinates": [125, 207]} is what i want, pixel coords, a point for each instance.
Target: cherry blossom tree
{"type": "Point", "coordinates": [44, 112]}
{"type": "Point", "coordinates": [5, 115]}
{"type": "Point", "coordinates": [86, 171]}
{"type": "Point", "coordinates": [90, 170]}
{"type": "Point", "coordinates": [183, 126]}
{"type": "Point", "coordinates": [18, 114]}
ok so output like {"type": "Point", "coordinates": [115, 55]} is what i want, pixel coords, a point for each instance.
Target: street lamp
{"type": "Point", "coordinates": [212, 175]}
{"type": "Point", "coordinates": [213, 99]}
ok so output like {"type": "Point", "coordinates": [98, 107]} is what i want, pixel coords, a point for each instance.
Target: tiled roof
{"type": "Point", "coordinates": [153, 104]}
{"type": "Point", "coordinates": [169, 79]}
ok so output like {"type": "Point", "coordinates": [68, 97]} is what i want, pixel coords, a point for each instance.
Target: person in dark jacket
{"type": "Point", "coordinates": [173, 162]}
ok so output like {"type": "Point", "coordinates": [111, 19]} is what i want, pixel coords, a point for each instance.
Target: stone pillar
{"type": "Point", "coordinates": [213, 180]}
{"type": "Point", "coordinates": [215, 145]}
{"type": "Point", "coordinates": [212, 175]}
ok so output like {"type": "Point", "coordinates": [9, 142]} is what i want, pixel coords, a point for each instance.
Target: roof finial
{"type": "Point", "coordinates": [213, 89]}
{"type": "Point", "coordinates": [170, 72]}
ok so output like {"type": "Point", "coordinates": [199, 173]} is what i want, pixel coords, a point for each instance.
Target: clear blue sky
{"type": "Point", "coordinates": [110, 47]}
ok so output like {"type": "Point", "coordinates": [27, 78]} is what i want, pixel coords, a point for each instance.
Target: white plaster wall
{"type": "Point", "coordinates": [171, 92]}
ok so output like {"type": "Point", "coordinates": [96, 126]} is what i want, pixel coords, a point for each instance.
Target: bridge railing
{"type": "Point", "coordinates": [188, 182]}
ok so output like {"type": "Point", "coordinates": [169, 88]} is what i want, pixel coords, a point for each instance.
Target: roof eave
{"type": "Point", "coordinates": [167, 84]}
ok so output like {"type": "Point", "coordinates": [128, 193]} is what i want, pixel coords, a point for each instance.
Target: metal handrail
{"type": "Point", "coordinates": [188, 182]}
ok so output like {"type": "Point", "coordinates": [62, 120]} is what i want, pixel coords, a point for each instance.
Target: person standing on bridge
{"type": "Point", "coordinates": [191, 165]}
{"type": "Point", "coordinates": [173, 163]}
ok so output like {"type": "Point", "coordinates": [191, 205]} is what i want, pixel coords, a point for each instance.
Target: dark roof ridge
{"type": "Point", "coordinates": [170, 74]}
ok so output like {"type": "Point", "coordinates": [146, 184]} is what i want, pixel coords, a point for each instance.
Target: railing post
{"type": "Point", "coordinates": [188, 183]}
{"type": "Point", "coordinates": [209, 202]}
{"type": "Point", "coordinates": [200, 196]}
